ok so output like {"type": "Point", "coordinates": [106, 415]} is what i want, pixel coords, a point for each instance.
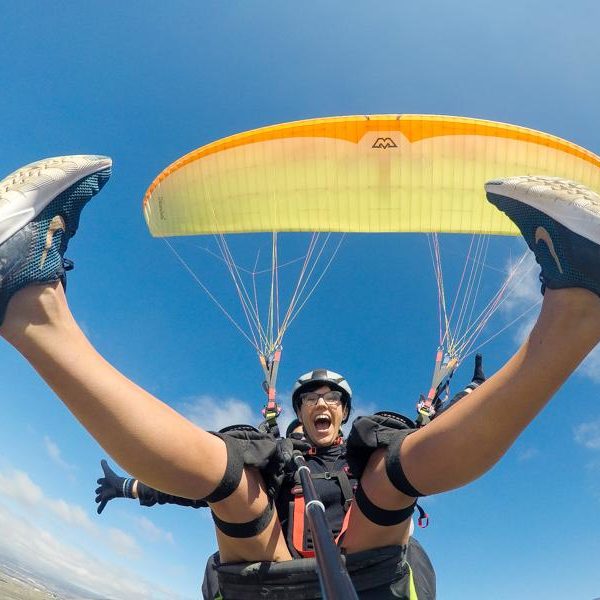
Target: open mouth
{"type": "Point", "coordinates": [322, 422]}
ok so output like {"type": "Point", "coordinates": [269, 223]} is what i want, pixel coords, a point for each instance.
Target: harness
{"type": "Point", "coordinates": [335, 483]}
{"type": "Point", "coordinates": [381, 574]}
{"type": "Point", "coordinates": [378, 574]}
{"type": "Point", "coordinates": [299, 538]}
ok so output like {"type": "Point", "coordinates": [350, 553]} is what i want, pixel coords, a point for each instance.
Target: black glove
{"type": "Point", "coordinates": [286, 447]}
{"type": "Point", "coordinates": [112, 486]}
{"type": "Point", "coordinates": [282, 463]}
{"type": "Point", "coordinates": [478, 375]}
{"type": "Point", "coordinates": [478, 379]}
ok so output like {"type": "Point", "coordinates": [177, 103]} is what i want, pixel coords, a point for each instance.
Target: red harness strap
{"type": "Point", "coordinates": [298, 531]}
{"type": "Point", "coordinates": [345, 522]}
{"type": "Point", "coordinates": [299, 512]}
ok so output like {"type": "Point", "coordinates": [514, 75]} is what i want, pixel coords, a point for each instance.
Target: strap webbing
{"type": "Point", "coordinates": [394, 470]}
{"type": "Point", "coordinates": [378, 515]}
{"type": "Point", "coordinates": [270, 366]}
{"type": "Point", "coordinates": [299, 525]}
{"type": "Point", "coordinates": [248, 529]}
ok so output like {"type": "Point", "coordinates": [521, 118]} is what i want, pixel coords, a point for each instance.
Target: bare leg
{"type": "Point", "coordinates": [163, 449]}
{"type": "Point", "coordinates": [145, 436]}
{"type": "Point", "coordinates": [464, 443]}
{"type": "Point", "coordinates": [482, 428]}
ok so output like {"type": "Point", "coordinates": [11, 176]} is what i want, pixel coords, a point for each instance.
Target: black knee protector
{"type": "Point", "coordinates": [246, 446]}
{"type": "Point", "coordinates": [394, 470]}
{"type": "Point", "coordinates": [381, 430]}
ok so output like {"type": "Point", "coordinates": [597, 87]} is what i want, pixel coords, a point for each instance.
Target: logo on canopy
{"type": "Point", "coordinates": [384, 142]}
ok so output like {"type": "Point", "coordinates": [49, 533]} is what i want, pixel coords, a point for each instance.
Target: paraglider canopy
{"type": "Point", "coordinates": [377, 173]}
{"type": "Point", "coordinates": [366, 173]}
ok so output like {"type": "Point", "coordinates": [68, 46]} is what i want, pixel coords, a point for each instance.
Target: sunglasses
{"type": "Point", "coordinates": [311, 398]}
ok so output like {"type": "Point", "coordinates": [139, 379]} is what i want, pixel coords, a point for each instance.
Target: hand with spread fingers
{"type": "Point", "coordinates": [112, 486]}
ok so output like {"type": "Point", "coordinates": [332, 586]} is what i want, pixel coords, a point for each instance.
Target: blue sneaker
{"type": "Point", "coordinates": [40, 206]}
{"type": "Point", "coordinates": [560, 221]}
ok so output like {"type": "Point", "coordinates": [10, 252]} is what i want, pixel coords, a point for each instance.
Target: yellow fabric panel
{"type": "Point", "coordinates": [412, 587]}
{"type": "Point", "coordinates": [378, 173]}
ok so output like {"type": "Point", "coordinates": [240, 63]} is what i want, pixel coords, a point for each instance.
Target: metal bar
{"type": "Point", "coordinates": [333, 577]}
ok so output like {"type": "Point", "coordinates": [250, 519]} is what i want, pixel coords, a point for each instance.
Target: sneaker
{"type": "Point", "coordinates": [560, 221]}
{"type": "Point", "coordinates": [40, 206]}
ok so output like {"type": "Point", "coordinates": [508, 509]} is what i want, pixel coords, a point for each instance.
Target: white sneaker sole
{"type": "Point", "coordinates": [571, 204]}
{"type": "Point", "coordinates": [27, 191]}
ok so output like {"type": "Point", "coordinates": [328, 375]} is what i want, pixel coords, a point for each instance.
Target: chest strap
{"type": "Point", "coordinates": [343, 481]}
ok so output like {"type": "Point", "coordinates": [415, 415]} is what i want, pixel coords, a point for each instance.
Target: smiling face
{"type": "Point", "coordinates": [322, 421]}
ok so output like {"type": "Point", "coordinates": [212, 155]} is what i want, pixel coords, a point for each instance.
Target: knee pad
{"type": "Point", "coordinates": [381, 430]}
{"type": "Point", "coordinates": [245, 446]}
{"type": "Point", "coordinates": [233, 472]}
{"type": "Point", "coordinates": [394, 470]}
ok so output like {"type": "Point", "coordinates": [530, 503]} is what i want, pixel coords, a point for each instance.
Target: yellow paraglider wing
{"type": "Point", "coordinates": [376, 173]}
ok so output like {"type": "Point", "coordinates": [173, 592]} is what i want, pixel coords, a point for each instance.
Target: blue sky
{"type": "Point", "coordinates": [146, 82]}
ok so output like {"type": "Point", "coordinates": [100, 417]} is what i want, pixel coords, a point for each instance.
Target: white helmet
{"type": "Point", "coordinates": [315, 379]}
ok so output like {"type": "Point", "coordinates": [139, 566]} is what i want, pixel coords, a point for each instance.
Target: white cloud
{"type": "Point", "coordinates": [527, 454]}
{"type": "Point", "coordinates": [63, 567]}
{"type": "Point", "coordinates": [123, 544]}
{"type": "Point", "coordinates": [359, 407]}
{"type": "Point", "coordinates": [588, 435]}
{"type": "Point", "coordinates": [18, 486]}
{"type": "Point", "coordinates": [594, 467]}
{"type": "Point", "coordinates": [149, 531]}
{"type": "Point", "coordinates": [362, 407]}
{"type": "Point", "coordinates": [522, 301]}
{"type": "Point", "coordinates": [524, 288]}
{"type": "Point", "coordinates": [71, 514]}
{"type": "Point", "coordinates": [590, 367]}
{"type": "Point", "coordinates": [524, 329]}
{"type": "Point", "coordinates": [520, 304]}
{"type": "Point", "coordinates": [214, 414]}
{"type": "Point", "coordinates": [54, 453]}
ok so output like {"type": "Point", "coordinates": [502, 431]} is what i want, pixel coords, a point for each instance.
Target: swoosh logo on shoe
{"type": "Point", "coordinates": [541, 234]}
{"type": "Point", "coordinates": [56, 224]}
